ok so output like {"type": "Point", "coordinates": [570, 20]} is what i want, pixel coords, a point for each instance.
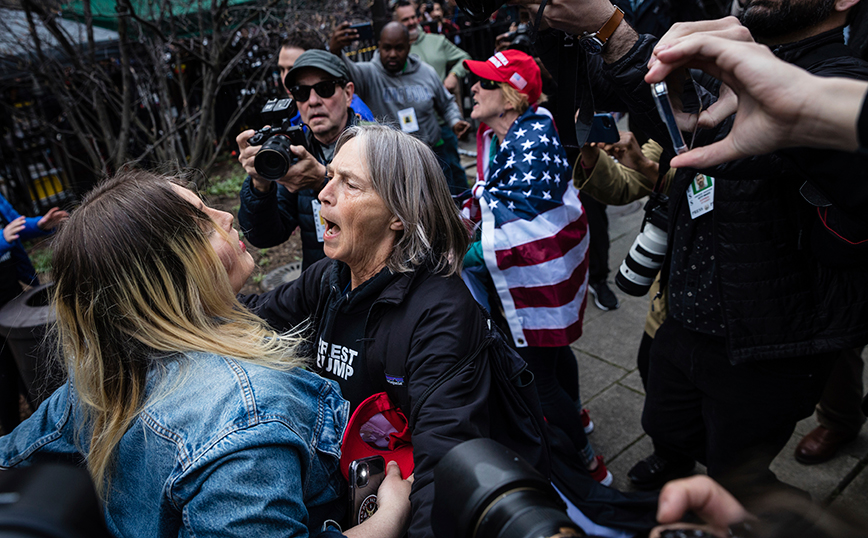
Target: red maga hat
{"type": "Point", "coordinates": [378, 427]}
{"type": "Point", "coordinates": [513, 67]}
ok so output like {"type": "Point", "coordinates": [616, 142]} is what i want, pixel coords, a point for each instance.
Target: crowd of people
{"type": "Point", "coordinates": [455, 299]}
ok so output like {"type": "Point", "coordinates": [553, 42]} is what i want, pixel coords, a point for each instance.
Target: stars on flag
{"type": "Point", "coordinates": [529, 158]}
{"type": "Point", "coordinates": [545, 158]}
{"type": "Point", "coordinates": [528, 177]}
{"type": "Point", "coordinates": [510, 161]}
{"type": "Point", "coordinates": [543, 139]}
{"type": "Point", "coordinates": [527, 144]}
{"type": "Point", "coordinates": [520, 133]}
{"type": "Point", "coordinates": [537, 126]}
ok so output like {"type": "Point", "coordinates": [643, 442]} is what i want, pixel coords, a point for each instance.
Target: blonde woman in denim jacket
{"type": "Point", "coordinates": [194, 418]}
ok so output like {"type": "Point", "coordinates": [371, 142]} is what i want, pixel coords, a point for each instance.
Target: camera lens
{"type": "Point", "coordinates": [646, 256]}
{"type": "Point", "coordinates": [274, 158]}
{"type": "Point", "coordinates": [362, 475]}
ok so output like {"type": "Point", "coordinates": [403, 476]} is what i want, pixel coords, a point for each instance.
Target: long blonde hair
{"type": "Point", "coordinates": [137, 280]}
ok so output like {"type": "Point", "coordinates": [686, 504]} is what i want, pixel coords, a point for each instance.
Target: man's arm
{"type": "Point", "coordinates": [448, 108]}
{"type": "Point", "coordinates": [455, 57]}
{"type": "Point", "coordinates": [290, 304]}
{"type": "Point", "coordinates": [614, 183]}
{"type": "Point", "coordinates": [267, 219]}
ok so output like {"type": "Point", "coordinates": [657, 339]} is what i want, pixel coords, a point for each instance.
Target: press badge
{"type": "Point", "coordinates": [700, 195]}
{"type": "Point", "coordinates": [407, 117]}
{"type": "Point", "coordinates": [318, 222]}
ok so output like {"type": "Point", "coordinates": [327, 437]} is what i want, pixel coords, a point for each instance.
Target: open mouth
{"type": "Point", "coordinates": [332, 230]}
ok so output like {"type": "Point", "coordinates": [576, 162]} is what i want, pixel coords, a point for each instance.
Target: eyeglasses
{"type": "Point", "coordinates": [324, 89]}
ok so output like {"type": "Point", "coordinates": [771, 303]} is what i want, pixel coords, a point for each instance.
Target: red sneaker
{"type": "Point", "coordinates": [601, 474]}
{"type": "Point", "coordinates": [587, 423]}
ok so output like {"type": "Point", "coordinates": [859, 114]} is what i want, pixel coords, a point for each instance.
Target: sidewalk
{"type": "Point", "coordinates": [612, 390]}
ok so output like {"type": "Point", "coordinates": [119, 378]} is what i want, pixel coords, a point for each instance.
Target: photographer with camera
{"type": "Point", "coordinates": [272, 208]}
{"type": "Point", "coordinates": [763, 293]}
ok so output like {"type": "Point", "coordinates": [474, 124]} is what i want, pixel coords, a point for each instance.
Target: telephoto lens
{"type": "Point", "coordinates": [645, 258]}
{"type": "Point", "coordinates": [485, 490]}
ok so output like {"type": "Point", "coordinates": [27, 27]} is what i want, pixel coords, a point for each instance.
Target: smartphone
{"type": "Point", "coordinates": [365, 30]}
{"type": "Point", "coordinates": [365, 477]}
{"type": "Point", "coordinates": [660, 91]}
{"type": "Point", "coordinates": [604, 129]}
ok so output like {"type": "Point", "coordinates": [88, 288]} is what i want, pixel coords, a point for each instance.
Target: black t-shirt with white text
{"type": "Point", "coordinates": [340, 344]}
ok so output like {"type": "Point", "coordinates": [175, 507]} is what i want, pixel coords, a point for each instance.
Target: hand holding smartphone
{"type": "Point", "coordinates": [365, 31]}
{"type": "Point", "coordinates": [365, 477]}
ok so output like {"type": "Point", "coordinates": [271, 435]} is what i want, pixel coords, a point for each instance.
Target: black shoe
{"type": "Point", "coordinates": [603, 296]}
{"type": "Point", "coordinates": [654, 471]}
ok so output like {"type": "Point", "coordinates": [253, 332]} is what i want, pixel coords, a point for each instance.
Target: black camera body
{"type": "Point", "coordinates": [646, 256]}
{"type": "Point", "coordinates": [274, 157]}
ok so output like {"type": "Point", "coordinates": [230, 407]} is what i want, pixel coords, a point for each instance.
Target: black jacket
{"type": "Point", "coordinates": [780, 296]}
{"type": "Point", "coordinates": [268, 219]}
{"type": "Point", "coordinates": [421, 324]}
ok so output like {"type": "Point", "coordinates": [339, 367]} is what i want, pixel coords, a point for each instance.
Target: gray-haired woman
{"type": "Point", "coordinates": [389, 311]}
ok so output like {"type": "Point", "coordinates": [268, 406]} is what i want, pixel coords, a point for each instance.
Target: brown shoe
{"type": "Point", "coordinates": [820, 445]}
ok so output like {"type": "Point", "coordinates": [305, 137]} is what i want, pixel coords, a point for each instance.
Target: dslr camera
{"type": "Point", "coordinates": [274, 157]}
{"type": "Point", "coordinates": [645, 258]}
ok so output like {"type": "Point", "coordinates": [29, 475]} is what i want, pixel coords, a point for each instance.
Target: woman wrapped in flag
{"type": "Point", "coordinates": [534, 236]}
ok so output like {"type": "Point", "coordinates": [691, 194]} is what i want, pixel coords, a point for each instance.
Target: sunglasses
{"type": "Point", "coordinates": [488, 84]}
{"type": "Point", "coordinates": [324, 89]}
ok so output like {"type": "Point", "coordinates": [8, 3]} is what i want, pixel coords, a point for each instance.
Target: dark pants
{"type": "Point", "coordinates": [598, 249]}
{"type": "Point", "coordinates": [840, 406]}
{"type": "Point", "coordinates": [450, 161]}
{"type": "Point", "coordinates": [552, 372]}
{"type": "Point", "coordinates": [734, 419]}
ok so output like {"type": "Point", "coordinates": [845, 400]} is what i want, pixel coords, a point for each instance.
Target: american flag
{"type": "Point", "coordinates": [534, 231]}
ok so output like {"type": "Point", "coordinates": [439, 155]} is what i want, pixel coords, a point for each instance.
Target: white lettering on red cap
{"type": "Point", "coordinates": [503, 59]}
{"type": "Point", "coordinates": [518, 81]}
{"type": "Point", "coordinates": [495, 61]}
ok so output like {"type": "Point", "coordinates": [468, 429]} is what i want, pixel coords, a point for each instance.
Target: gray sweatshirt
{"type": "Point", "coordinates": [408, 99]}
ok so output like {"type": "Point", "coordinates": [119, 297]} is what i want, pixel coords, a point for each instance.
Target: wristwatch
{"type": "Point", "coordinates": [594, 43]}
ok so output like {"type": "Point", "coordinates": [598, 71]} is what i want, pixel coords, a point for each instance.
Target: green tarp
{"type": "Point", "coordinates": [105, 14]}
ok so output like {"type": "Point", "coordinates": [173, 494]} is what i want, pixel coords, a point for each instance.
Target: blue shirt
{"type": "Point", "coordinates": [222, 447]}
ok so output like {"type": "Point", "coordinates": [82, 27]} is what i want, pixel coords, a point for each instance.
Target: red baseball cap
{"type": "Point", "coordinates": [513, 67]}
{"type": "Point", "coordinates": [378, 427]}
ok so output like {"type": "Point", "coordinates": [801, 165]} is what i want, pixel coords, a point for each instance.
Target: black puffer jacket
{"type": "Point", "coordinates": [268, 219]}
{"type": "Point", "coordinates": [780, 296]}
{"type": "Point", "coordinates": [422, 324]}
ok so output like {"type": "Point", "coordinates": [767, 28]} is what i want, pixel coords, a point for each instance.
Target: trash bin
{"type": "Point", "coordinates": [24, 322]}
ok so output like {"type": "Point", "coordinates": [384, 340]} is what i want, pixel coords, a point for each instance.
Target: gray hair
{"type": "Point", "coordinates": [405, 174]}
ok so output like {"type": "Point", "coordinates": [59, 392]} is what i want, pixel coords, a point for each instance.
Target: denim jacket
{"type": "Point", "coordinates": [222, 448]}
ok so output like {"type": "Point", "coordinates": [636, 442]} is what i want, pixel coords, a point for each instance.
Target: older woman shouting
{"type": "Point", "coordinates": [533, 246]}
{"type": "Point", "coordinates": [389, 311]}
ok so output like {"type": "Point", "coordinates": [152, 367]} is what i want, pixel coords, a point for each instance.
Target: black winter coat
{"type": "Point", "coordinates": [780, 295]}
{"type": "Point", "coordinates": [424, 322]}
